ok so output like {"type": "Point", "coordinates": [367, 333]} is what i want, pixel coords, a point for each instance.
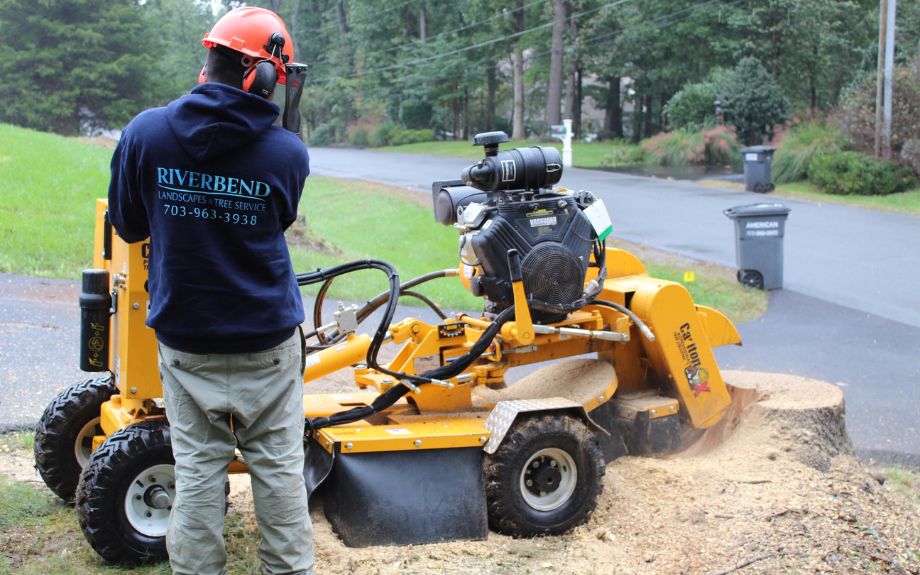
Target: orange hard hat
{"type": "Point", "coordinates": [254, 32]}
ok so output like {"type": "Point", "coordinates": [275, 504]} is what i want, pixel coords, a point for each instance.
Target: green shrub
{"type": "Point", "coordinates": [415, 114]}
{"type": "Point", "coordinates": [693, 107]}
{"type": "Point", "coordinates": [322, 135]}
{"type": "Point", "coordinates": [856, 115]}
{"type": "Point", "coordinates": [358, 137]}
{"type": "Point", "coordinates": [381, 135]}
{"type": "Point", "coordinates": [623, 154]}
{"type": "Point", "coordinates": [753, 101]}
{"type": "Point", "coordinates": [401, 137]}
{"type": "Point", "coordinates": [848, 173]}
{"type": "Point", "coordinates": [803, 143]}
{"type": "Point", "coordinates": [721, 146]}
{"type": "Point", "coordinates": [910, 155]}
{"type": "Point", "coordinates": [680, 147]}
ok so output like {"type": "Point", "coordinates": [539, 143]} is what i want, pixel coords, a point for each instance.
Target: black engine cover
{"type": "Point", "coordinates": [554, 239]}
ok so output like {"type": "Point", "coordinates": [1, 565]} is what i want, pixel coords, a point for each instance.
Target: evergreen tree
{"type": "Point", "coordinates": [73, 65]}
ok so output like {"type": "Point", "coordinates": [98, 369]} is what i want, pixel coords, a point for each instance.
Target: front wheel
{"type": "Point", "coordinates": [545, 477]}
{"type": "Point", "coordinates": [126, 493]}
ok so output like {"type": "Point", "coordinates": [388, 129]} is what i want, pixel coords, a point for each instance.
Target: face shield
{"type": "Point", "coordinates": [296, 77]}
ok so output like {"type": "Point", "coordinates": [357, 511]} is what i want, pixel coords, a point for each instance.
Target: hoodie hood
{"type": "Point", "coordinates": [216, 118]}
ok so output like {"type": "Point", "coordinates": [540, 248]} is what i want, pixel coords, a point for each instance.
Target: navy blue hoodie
{"type": "Point", "coordinates": [214, 184]}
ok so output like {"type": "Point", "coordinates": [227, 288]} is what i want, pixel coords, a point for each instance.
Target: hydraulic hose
{"type": "Point", "coordinates": [374, 304]}
{"type": "Point", "coordinates": [629, 313]}
{"type": "Point", "coordinates": [327, 274]}
{"type": "Point", "coordinates": [392, 395]}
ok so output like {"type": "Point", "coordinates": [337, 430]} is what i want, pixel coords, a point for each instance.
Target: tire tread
{"type": "Point", "coordinates": [501, 475]}
{"type": "Point", "coordinates": [56, 430]}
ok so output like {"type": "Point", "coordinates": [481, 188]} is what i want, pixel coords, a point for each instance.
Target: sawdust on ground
{"type": "Point", "coordinates": [775, 488]}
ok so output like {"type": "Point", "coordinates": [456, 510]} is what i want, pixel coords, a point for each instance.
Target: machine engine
{"type": "Point", "coordinates": [509, 218]}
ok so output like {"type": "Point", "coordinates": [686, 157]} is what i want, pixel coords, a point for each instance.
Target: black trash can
{"type": "Point", "coordinates": [758, 168]}
{"type": "Point", "coordinates": [759, 232]}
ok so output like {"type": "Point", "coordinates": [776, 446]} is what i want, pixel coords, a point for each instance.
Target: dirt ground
{"type": "Point", "coordinates": [775, 488]}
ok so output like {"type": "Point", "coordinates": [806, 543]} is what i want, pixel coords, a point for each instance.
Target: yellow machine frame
{"type": "Point", "coordinates": [679, 359]}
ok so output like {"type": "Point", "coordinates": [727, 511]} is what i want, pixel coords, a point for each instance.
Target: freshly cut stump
{"type": "Point", "coordinates": [807, 413]}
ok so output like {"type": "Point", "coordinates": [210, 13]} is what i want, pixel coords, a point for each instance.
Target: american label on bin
{"type": "Point", "coordinates": [761, 229]}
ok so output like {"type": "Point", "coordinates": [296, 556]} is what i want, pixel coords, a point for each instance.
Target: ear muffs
{"type": "Point", "coordinates": [261, 79]}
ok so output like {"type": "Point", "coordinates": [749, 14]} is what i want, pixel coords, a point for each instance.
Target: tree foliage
{"type": "Point", "coordinates": [857, 115]}
{"type": "Point", "coordinates": [447, 65]}
{"type": "Point", "coordinates": [72, 64]}
{"type": "Point", "coordinates": [753, 101]}
{"type": "Point", "coordinates": [693, 106]}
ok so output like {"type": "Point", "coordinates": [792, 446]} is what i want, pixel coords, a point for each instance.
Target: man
{"type": "Point", "coordinates": [214, 184]}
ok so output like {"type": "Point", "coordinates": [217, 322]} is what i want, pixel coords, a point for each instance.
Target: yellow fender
{"type": "Point", "coordinates": [682, 353]}
{"type": "Point", "coordinates": [719, 329]}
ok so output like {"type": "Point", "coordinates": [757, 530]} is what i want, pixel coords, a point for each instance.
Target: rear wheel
{"type": "Point", "coordinates": [545, 477]}
{"type": "Point", "coordinates": [64, 435]}
{"type": "Point", "coordinates": [126, 493]}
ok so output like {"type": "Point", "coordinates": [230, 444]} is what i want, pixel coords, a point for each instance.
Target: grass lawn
{"type": "Point", "coordinates": [584, 155]}
{"type": "Point", "coordinates": [39, 534]}
{"type": "Point", "coordinates": [906, 202]}
{"type": "Point", "coordinates": [47, 209]}
{"type": "Point", "coordinates": [47, 213]}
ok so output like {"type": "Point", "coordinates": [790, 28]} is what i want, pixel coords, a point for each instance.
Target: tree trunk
{"type": "Point", "coordinates": [340, 10]}
{"type": "Point", "coordinates": [647, 117]}
{"type": "Point", "coordinates": [292, 22]}
{"type": "Point", "coordinates": [517, 64]}
{"type": "Point", "coordinates": [660, 119]}
{"type": "Point", "coordinates": [576, 108]}
{"type": "Point", "coordinates": [466, 114]}
{"type": "Point", "coordinates": [456, 111]}
{"type": "Point", "coordinates": [568, 106]}
{"type": "Point", "coordinates": [613, 112]}
{"type": "Point", "coordinates": [491, 88]}
{"type": "Point", "coordinates": [554, 90]}
{"type": "Point", "coordinates": [422, 22]}
{"type": "Point", "coordinates": [813, 84]}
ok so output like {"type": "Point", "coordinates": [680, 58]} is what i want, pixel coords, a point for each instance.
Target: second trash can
{"type": "Point", "coordinates": [758, 168]}
{"type": "Point", "coordinates": [759, 232]}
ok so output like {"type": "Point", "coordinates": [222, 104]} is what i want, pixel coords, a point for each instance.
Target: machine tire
{"type": "Point", "coordinates": [63, 437]}
{"type": "Point", "coordinates": [538, 441]}
{"type": "Point", "coordinates": [103, 507]}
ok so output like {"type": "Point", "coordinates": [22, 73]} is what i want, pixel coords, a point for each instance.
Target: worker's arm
{"type": "Point", "coordinates": [126, 207]}
{"type": "Point", "coordinates": [299, 169]}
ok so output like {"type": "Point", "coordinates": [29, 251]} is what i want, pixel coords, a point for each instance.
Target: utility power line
{"type": "Point", "coordinates": [502, 14]}
{"type": "Point", "coordinates": [474, 46]}
{"type": "Point", "coordinates": [658, 22]}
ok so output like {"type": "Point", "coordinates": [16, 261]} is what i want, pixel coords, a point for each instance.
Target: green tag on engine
{"type": "Point", "coordinates": [600, 219]}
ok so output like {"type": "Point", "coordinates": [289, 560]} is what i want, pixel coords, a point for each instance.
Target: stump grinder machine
{"type": "Point", "coordinates": [432, 445]}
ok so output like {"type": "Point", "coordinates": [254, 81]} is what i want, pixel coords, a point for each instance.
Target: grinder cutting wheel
{"type": "Point", "coordinates": [432, 446]}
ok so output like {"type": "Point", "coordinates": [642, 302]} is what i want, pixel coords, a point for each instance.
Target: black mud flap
{"type": "Point", "coordinates": [317, 464]}
{"type": "Point", "coordinates": [613, 444]}
{"type": "Point", "coordinates": [407, 497]}
{"type": "Point", "coordinates": [652, 436]}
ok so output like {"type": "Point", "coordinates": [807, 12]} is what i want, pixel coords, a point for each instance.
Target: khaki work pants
{"type": "Point", "coordinates": [262, 393]}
